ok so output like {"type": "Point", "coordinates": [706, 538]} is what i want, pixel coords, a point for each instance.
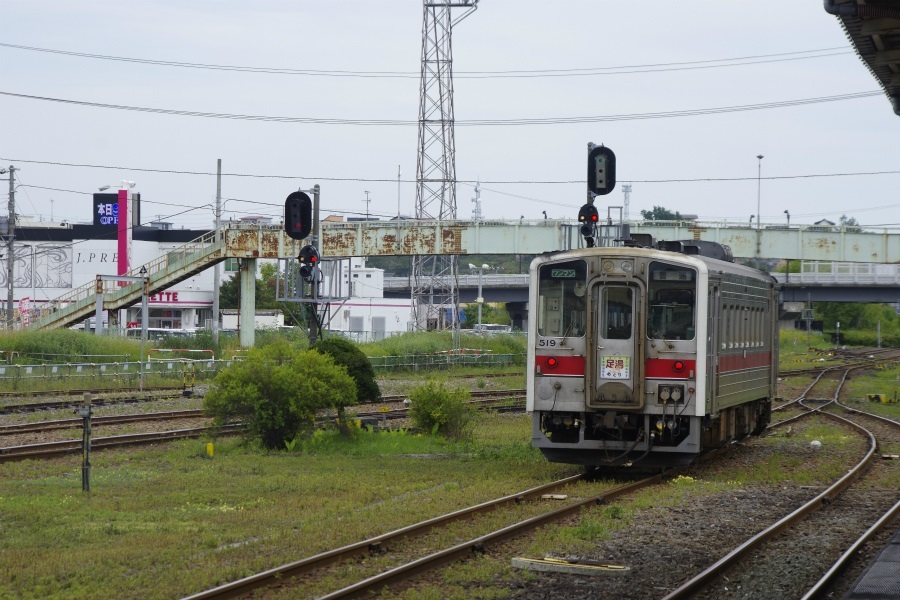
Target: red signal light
{"type": "Point", "coordinates": [595, 218]}
{"type": "Point", "coordinates": [678, 365]}
{"type": "Point", "coordinates": [552, 362]}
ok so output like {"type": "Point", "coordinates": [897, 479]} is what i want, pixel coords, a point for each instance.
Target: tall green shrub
{"type": "Point", "coordinates": [277, 389]}
{"type": "Point", "coordinates": [347, 354]}
{"type": "Point", "coordinates": [439, 409]}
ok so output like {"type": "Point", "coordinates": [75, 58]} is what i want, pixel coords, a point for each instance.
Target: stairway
{"type": "Point", "coordinates": [177, 265]}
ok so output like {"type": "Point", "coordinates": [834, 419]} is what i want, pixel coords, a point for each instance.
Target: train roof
{"type": "Point", "coordinates": [713, 265]}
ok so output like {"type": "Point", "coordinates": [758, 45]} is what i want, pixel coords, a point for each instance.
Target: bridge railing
{"type": "Point", "coordinates": [847, 272]}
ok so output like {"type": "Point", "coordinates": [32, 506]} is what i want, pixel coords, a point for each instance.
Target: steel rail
{"type": "Point", "coordinates": [20, 408]}
{"type": "Point", "coordinates": [35, 393]}
{"type": "Point", "coordinates": [277, 574]}
{"type": "Point", "coordinates": [858, 362]}
{"type": "Point", "coordinates": [828, 579]}
{"type": "Point", "coordinates": [700, 581]}
{"type": "Point", "coordinates": [477, 545]}
{"type": "Point", "coordinates": [102, 420]}
{"type": "Point", "coordinates": [47, 449]}
{"type": "Point", "coordinates": [831, 575]}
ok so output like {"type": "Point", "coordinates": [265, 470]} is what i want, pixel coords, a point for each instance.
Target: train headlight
{"type": "Point", "coordinates": [660, 424]}
{"type": "Point", "coordinates": [670, 393]}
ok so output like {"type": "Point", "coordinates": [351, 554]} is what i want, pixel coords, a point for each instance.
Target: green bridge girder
{"type": "Point", "coordinates": [406, 238]}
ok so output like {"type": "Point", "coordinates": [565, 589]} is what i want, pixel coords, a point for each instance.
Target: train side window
{"type": "Point", "coordinates": [732, 326]}
{"type": "Point", "coordinates": [723, 319]}
{"type": "Point", "coordinates": [561, 297]}
{"type": "Point", "coordinates": [757, 326]}
{"type": "Point", "coordinates": [672, 293]}
{"type": "Point", "coordinates": [745, 327]}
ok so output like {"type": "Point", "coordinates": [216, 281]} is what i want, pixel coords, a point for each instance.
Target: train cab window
{"type": "Point", "coordinates": [672, 292]}
{"type": "Point", "coordinates": [561, 296]}
{"type": "Point", "coordinates": [616, 313]}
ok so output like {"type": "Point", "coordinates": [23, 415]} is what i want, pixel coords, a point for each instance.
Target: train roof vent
{"type": "Point", "coordinates": [640, 240]}
{"type": "Point", "coordinates": [698, 248]}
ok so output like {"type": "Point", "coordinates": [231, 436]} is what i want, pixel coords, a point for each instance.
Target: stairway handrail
{"type": "Point", "coordinates": [156, 269]}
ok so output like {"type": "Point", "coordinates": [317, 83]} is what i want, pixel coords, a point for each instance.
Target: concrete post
{"type": "Point", "coordinates": [248, 302]}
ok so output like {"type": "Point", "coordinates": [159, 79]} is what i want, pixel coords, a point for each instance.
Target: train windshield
{"type": "Point", "coordinates": [561, 294]}
{"type": "Point", "coordinates": [672, 292]}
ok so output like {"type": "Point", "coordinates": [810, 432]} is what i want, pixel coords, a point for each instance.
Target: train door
{"type": "Point", "coordinates": [617, 368]}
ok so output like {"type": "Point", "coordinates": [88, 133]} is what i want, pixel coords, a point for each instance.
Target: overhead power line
{"type": "Point", "coordinates": [394, 180]}
{"type": "Point", "coordinates": [462, 123]}
{"type": "Point", "coordinates": [499, 74]}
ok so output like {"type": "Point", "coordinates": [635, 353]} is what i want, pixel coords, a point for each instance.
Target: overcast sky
{"type": "Point", "coordinates": [692, 47]}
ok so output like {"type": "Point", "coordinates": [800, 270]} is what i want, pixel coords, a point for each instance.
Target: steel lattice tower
{"type": "Point", "coordinates": [435, 277]}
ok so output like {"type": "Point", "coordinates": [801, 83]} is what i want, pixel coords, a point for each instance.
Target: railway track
{"type": "Point", "coordinates": [870, 358]}
{"type": "Point", "coordinates": [502, 400]}
{"type": "Point", "coordinates": [42, 426]}
{"type": "Point", "coordinates": [369, 584]}
{"type": "Point", "coordinates": [105, 400]}
{"type": "Point", "coordinates": [801, 535]}
{"type": "Point", "coordinates": [52, 449]}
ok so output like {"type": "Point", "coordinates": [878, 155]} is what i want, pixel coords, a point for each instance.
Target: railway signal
{"type": "Point", "coordinates": [298, 215]}
{"type": "Point", "coordinates": [308, 259]}
{"type": "Point", "coordinates": [601, 176]}
{"type": "Point", "coordinates": [588, 217]}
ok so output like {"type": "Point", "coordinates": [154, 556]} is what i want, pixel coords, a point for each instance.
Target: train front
{"type": "Point", "coordinates": [614, 375]}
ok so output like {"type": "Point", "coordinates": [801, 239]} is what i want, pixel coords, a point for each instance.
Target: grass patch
{"type": "Point", "coordinates": [166, 522]}
{"type": "Point", "coordinates": [877, 381]}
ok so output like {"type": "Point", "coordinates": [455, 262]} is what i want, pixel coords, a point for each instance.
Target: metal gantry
{"type": "Point", "coordinates": [434, 276]}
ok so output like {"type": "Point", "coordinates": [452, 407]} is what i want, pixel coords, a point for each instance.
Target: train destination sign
{"type": "Point", "coordinates": [615, 367]}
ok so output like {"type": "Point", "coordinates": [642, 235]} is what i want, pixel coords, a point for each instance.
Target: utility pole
{"type": "Point", "coordinates": [758, 206]}
{"type": "Point", "coordinates": [10, 246]}
{"type": "Point", "coordinates": [367, 205]}
{"type": "Point", "coordinates": [217, 277]}
{"type": "Point", "coordinates": [313, 310]}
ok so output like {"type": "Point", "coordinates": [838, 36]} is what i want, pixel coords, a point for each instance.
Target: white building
{"type": "Point", "coordinates": [367, 314]}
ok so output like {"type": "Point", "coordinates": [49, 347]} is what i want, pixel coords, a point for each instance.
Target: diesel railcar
{"type": "Point", "coordinates": [648, 356]}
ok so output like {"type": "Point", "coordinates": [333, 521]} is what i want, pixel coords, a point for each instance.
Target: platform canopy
{"type": "Point", "coordinates": [873, 27]}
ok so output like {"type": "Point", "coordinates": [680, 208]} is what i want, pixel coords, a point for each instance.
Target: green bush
{"type": "Point", "coordinates": [441, 410]}
{"type": "Point", "coordinates": [347, 354]}
{"type": "Point", "coordinates": [870, 338]}
{"type": "Point", "coordinates": [277, 389]}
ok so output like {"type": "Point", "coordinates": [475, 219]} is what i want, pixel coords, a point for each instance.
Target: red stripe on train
{"type": "Point", "coordinates": [563, 366]}
{"type": "Point", "coordinates": [667, 368]}
{"type": "Point", "coordinates": [738, 362]}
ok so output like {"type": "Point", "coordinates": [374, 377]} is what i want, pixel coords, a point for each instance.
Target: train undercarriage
{"type": "Point", "coordinates": [633, 439]}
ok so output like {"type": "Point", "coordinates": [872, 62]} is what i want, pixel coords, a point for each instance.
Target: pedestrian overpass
{"type": "Point", "coordinates": [412, 237]}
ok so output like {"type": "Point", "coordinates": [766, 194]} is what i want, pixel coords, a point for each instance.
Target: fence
{"type": "Point", "coordinates": [43, 376]}
{"type": "Point", "coordinates": [416, 362]}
